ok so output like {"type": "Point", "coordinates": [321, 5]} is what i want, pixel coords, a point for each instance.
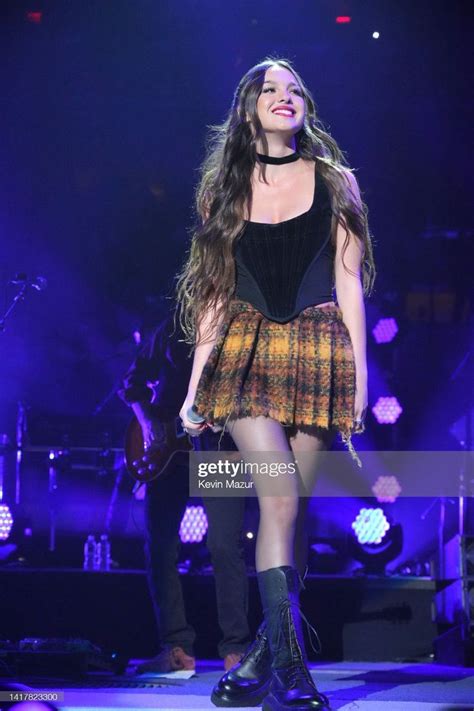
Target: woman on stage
{"type": "Point", "coordinates": [277, 363]}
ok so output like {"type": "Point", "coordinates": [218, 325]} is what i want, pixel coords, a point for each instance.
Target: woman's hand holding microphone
{"type": "Point", "coordinates": [194, 424]}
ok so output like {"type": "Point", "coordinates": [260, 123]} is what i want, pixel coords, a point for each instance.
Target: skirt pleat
{"type": "Point", "coordinates": [300, 373]}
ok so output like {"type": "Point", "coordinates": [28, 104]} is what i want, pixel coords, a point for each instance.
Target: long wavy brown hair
{"type": "Point", "coordinates": [223, 193]}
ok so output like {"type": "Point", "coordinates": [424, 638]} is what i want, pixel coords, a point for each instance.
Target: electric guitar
{"type": "Point", "coordinates": [146, 465]}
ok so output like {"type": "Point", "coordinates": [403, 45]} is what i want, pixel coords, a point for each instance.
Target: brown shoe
{"type": "Point", "coordinates": [230, 660]}
{"type": "Point", "coordinates": [185, 662]}
{"type": "Point", "coordinates": [168, 660]}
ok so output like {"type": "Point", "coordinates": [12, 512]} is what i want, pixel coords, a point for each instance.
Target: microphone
{"type": "Point", "coordinates": [38, 282]}
{"type": "Point", "coordinates": [194, 417]}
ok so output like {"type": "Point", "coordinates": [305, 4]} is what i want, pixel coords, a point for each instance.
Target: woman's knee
{"type": "Point", "coordinates": [279, 511]}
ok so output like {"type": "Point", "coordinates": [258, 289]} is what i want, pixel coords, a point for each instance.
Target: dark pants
{"type": "Point", "coordinates": [165, 504]}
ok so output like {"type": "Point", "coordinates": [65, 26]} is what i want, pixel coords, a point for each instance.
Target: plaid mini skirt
{"type": "Point", "coordinates": [300, 373]}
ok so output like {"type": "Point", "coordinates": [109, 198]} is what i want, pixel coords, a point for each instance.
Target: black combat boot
{"type": "Point", "coordinates": [292, 687]}
{"type": "Point", "coordinates": [247, 683]}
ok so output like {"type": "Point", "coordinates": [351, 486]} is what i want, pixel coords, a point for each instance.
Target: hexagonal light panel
{"type": "Point", "coordinates": [193, 527]}
{"type": "Point", "coordinates": [387, 410]}
{"type": "Point", "coordinates": [386, 489]}
{"type": "Point", "coordinates": [385, 330]}
{"type": "Point", "coordinates": [370, 526]}
{"type": "Point", "coordinates": [6, 522]}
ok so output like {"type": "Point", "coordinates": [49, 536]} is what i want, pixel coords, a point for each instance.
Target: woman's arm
{"type": "Point", "coordinates": [206, 335]}
{"type": "Point", "coordinates": [207, 330]}
{"type": "Point", "coordinates": [350, 297]}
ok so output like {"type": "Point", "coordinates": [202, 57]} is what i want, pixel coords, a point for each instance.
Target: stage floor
{"type": "Point", "coordinates": [350, 686]}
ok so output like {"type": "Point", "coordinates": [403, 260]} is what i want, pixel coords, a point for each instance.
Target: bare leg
{"type": "Point", "coordinates": [275, 540]}
{"type": "Point", "coordinates": [310, 442]}
{"type": "Point", "coordinates": [279, 644]}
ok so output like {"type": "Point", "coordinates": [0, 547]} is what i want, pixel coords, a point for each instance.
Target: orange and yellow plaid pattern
{"type": "Point", "coordinates": [300, 373]}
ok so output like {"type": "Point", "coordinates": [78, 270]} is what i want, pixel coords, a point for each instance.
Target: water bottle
{"type": "Point", "coordinates": [90, 552]}
{"type": "Point", "coordinates": [103, 553]}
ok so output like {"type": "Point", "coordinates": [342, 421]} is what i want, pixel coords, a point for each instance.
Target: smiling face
{"type": "Point", "coordinates": [281, 106]}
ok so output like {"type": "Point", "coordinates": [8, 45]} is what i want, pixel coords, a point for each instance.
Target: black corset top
{"type": "Point", "coordinates": [283, 268]}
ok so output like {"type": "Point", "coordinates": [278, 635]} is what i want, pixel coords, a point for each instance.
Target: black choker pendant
{"type": "Point", "coordinates": [272, 160]}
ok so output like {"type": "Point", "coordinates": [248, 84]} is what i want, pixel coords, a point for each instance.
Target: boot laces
{"type": "Point", "coordinates": [297, 669]}
{"type": "Point", "coordinates": [286, 628]}
{"type": "Point", "coordinates": [259, 643]}
{"type": "Point", "coordinates": [297, 673]}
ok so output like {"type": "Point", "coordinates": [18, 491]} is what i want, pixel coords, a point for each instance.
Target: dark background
{"type": "Point", "coordinates": [104, 108]}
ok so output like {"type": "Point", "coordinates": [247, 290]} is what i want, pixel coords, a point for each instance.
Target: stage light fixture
{"type": "Point", "coordinates": [386, 489]}
{"type": "Point", "coordinates": [60, 459]}
{"type": "Point", "coordinates": [387, 410]}
{"type": "Point", "coordinates": [370, 525]}
{"type": "Point", "coordinates": [385, 330]}
{"type": "Point", "coordinates": [34, 17]}
{"type": "Point", "coordinates": [193, 526]}
{"type": "Point", "coordinates": [376, 544]}
{"type": "Point", "coordinates": [6, 522]}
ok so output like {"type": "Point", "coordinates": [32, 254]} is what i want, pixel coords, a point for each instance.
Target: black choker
{"type": "Point", "coordinates": [272, 160]}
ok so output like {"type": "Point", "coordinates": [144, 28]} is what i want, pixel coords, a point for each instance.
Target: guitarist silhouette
{"type": "Point", "coordinates": [155, 387]}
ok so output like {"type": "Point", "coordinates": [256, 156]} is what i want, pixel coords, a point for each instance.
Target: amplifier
{"type": "Point", "coordinates": [454, 604]}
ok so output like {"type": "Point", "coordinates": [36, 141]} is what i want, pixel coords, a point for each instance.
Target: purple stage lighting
{"type": "Point", "coordinates": [385, 330]}
{"type": "Point", "coordinates": [137, 337]}
{"type": "Point", "coordinates": [194, 525]}
{"type": "Point", "coordinates": [386, 489]}
{"type": "Point", "coordinates": [6, 522]}
{"type": "Point", "coordinates": [387, 410]}
{"type": "Point", "coordinates": [370, 526]}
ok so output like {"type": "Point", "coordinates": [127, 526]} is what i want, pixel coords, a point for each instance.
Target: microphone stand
{"type": "Point", "coordinates": [466, 480]}
{"type": "Point", "coordinates": [18, 297]}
